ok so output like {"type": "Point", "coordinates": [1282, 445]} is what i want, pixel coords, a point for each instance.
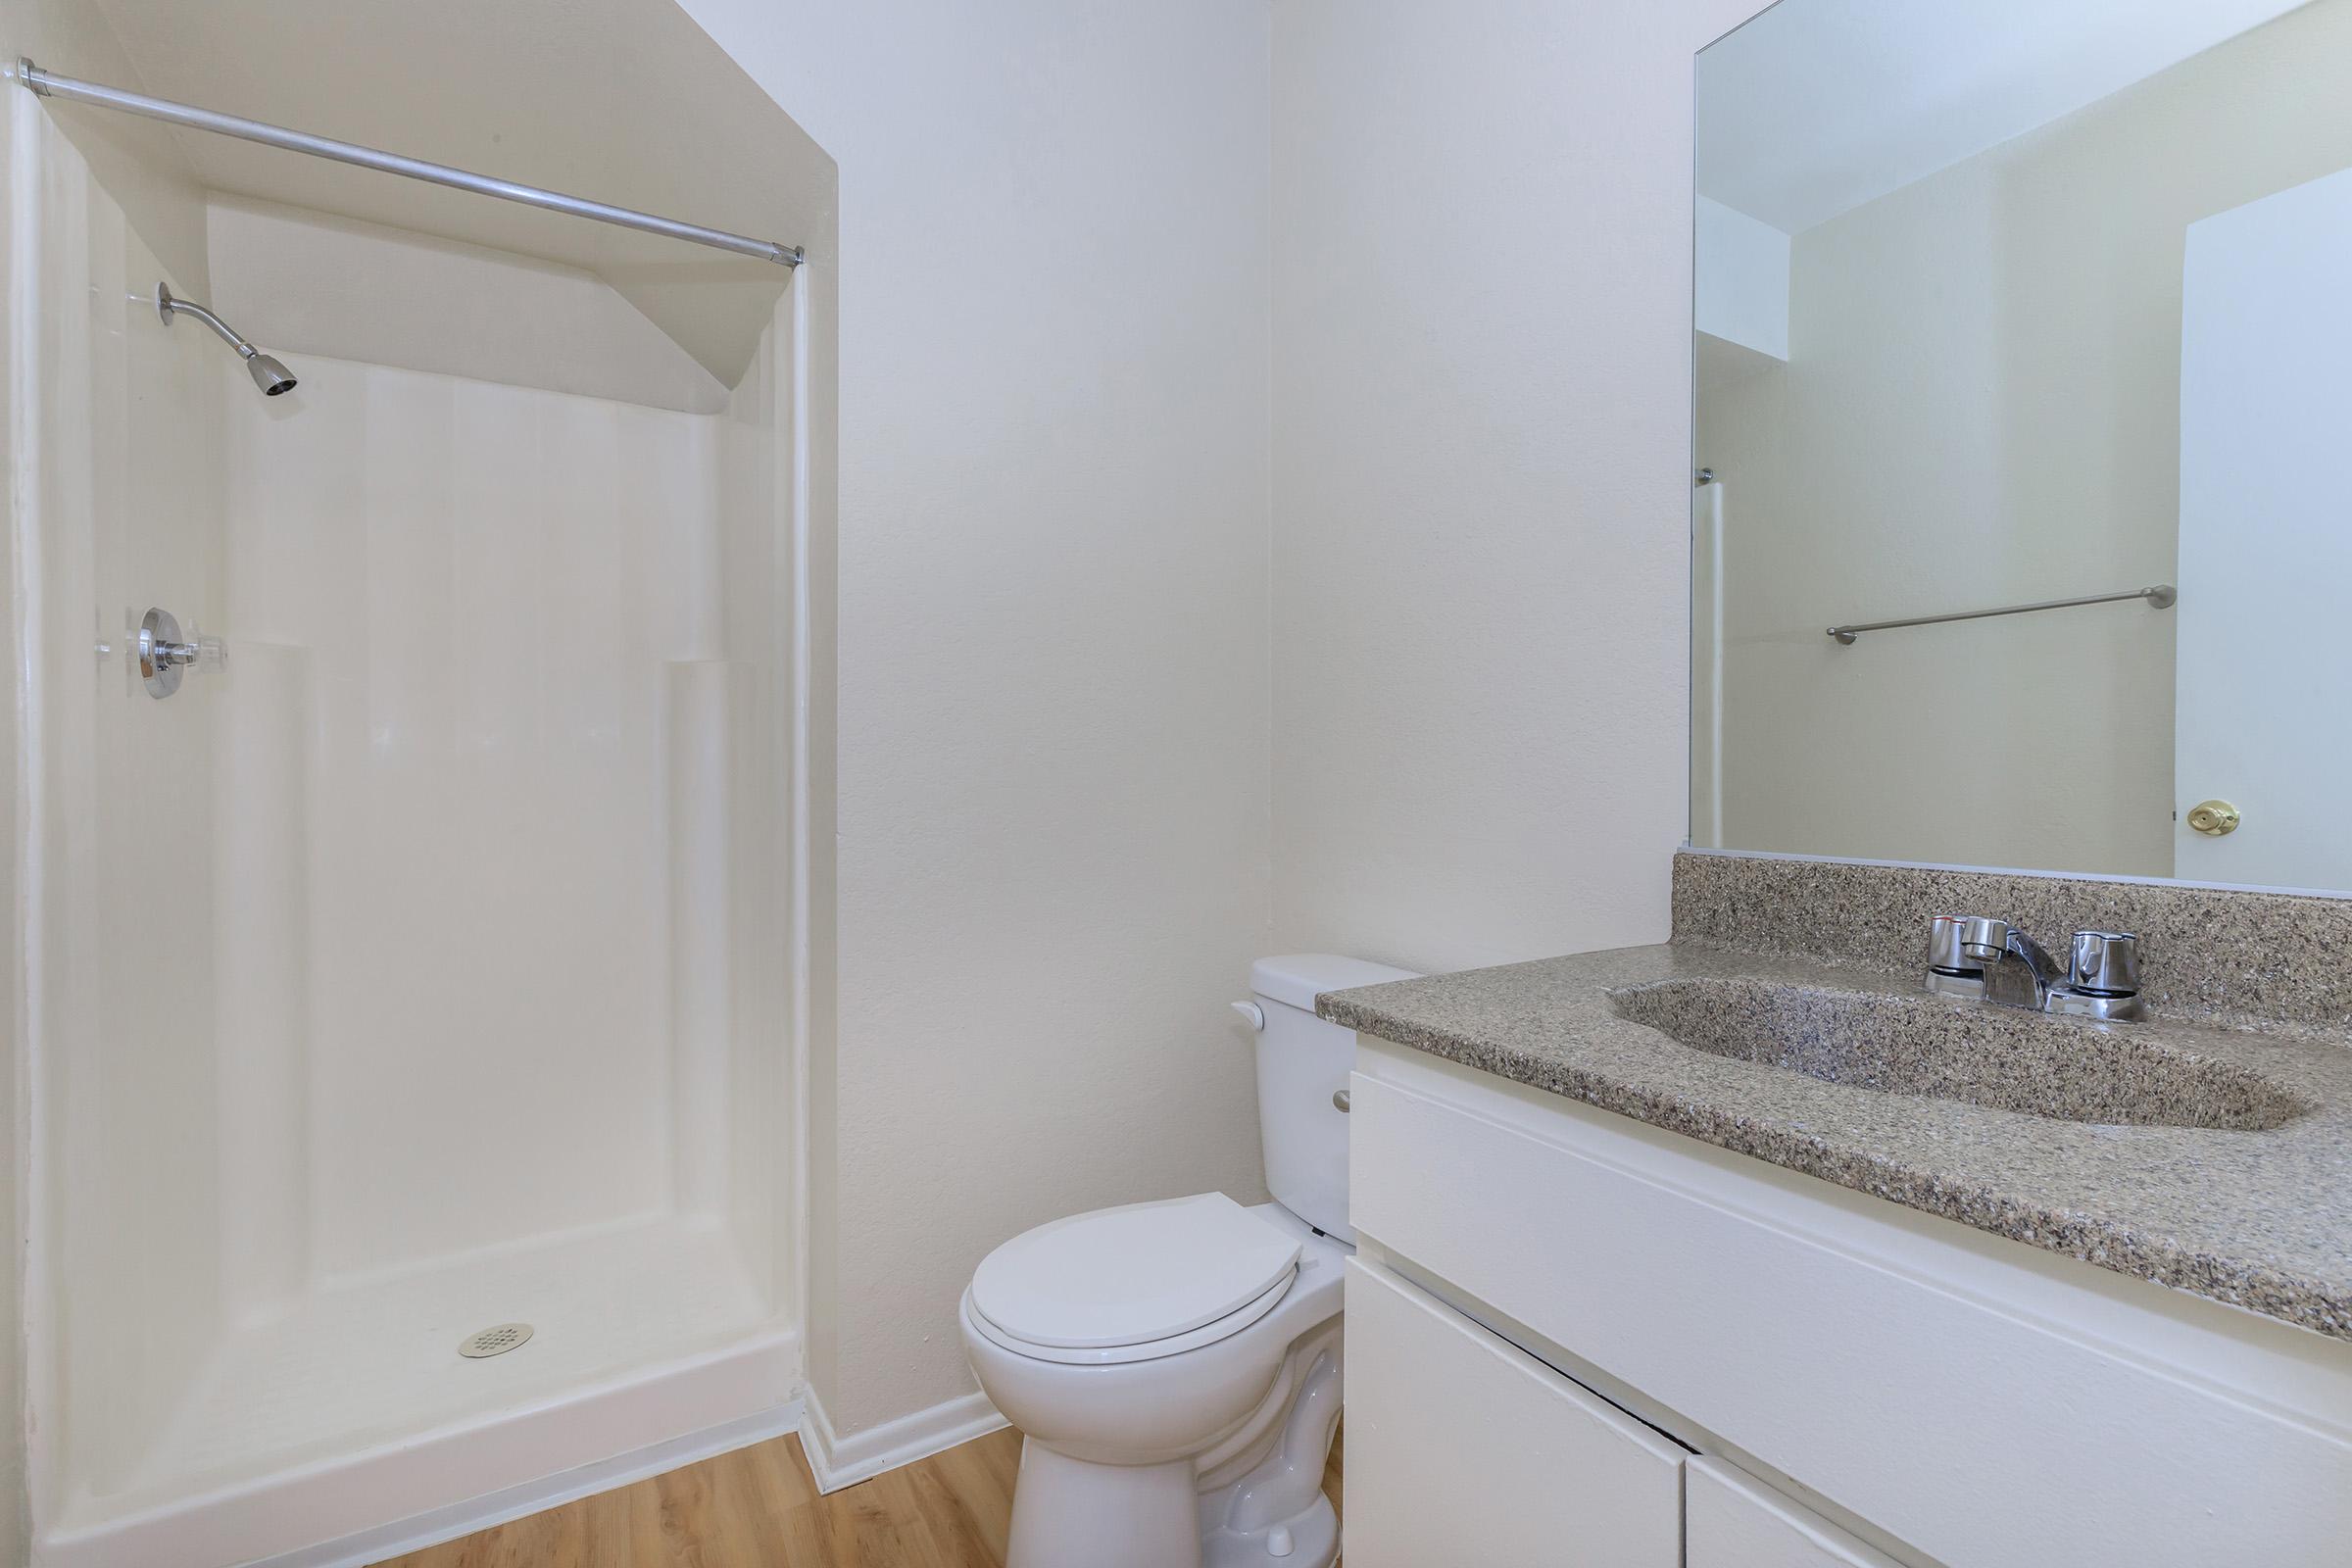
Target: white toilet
{"type": "Point", "coordinates": [1175, 1366]}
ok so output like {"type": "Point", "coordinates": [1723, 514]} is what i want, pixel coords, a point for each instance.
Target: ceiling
{"type": "Point", "coordinates": [1818, 105]}
{"type": "Point", "coordinates": [622, 101]}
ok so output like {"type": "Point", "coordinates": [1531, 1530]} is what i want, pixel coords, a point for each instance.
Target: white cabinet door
{"type": "Point", "coordinates": [1463, 1448]}
{"type": "Point", "coordinates": [1733, 1520]}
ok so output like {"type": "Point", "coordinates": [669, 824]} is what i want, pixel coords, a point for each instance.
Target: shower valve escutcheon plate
{"type": "Point", "coordinates": [161, 655]}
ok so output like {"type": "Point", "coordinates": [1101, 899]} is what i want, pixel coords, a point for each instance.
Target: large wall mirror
{"type": "Point", "coordinates": [2038, 314]}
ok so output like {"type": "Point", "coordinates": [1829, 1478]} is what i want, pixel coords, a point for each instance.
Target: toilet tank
{"type": "Point", "coordinates": [1302, 1064]}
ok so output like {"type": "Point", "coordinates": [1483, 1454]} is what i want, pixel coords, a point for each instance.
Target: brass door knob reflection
{"type": "Point", "coordinates": [2213, 818]}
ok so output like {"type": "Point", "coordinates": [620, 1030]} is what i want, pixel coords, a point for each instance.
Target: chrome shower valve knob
{"type": "Point", "coordinates": [160, 655]}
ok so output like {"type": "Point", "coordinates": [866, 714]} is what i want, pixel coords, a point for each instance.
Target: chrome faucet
{"type": "Point", "coordinates": [1992, 960]}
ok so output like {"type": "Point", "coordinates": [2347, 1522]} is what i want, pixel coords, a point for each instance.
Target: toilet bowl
{"type": "Point", "coordinates": [1192, 1446]}
{"type": "Point", "coordinates": [1174, 1367]}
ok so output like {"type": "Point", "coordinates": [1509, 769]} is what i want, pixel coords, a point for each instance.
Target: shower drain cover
{"type": "Point", "coordinates": [494, 1341]}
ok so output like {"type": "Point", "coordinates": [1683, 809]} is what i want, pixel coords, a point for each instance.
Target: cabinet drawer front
{"type": "Point", "coordinates": [1731, 1520]}
{"type": "Point", "coordinates": [1463, 1448]}
{"type": "Point", "coordinates": [1856, 1355]}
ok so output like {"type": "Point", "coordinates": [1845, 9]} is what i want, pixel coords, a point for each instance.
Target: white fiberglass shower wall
{"type": "Point", "coordinates": [426, 962]}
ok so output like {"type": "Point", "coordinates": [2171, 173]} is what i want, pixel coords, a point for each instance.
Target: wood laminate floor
{"type": "Point", "coordinates": [758, 1508]}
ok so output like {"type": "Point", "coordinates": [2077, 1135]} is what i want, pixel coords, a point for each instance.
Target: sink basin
{"type": "Point", "coordinates": [1983, 1056]}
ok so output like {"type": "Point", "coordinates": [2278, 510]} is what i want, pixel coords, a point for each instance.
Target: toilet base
{"type": "Point", "coordinates": [1254, 1501]}
{"type": "Point", "coordinates": [1312, 1537]}
{"type": "Point", "coordinates": [1069, 1513]}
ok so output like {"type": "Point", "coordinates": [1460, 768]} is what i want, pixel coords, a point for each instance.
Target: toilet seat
{"type": "Point", "coordinates": [1223, 1328]}
{"type": "Point", "coordinates": [1133, 1284]}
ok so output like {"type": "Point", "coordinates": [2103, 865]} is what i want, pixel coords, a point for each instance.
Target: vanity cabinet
{"type": "Point", "coordinates": [1945, 1395]}
{"type": "Point", "coordinates": [1462, 1448]}
{"type": "Point", "coordinates": [1731, 1520]}
{"type": "Point", "coordinates": [1445, 1419]}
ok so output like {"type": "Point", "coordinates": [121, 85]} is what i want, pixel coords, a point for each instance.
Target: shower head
{"type": "Point", "coordinates": [268, 371]}
{"type": "Point", "coordinates": [270, 374]}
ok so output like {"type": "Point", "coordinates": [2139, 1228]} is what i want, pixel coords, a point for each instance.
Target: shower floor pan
{"type": "Point", "coordinates": [354, 1411]}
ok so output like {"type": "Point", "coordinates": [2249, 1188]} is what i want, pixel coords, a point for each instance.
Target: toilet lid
{"type": "Point", "coordinates": [1133, 1275]}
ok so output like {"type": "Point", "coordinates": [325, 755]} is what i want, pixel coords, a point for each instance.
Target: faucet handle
{"type": "Point", "coordinates": [1982, 940]}
{"type": "Point", "coordinates": [1943, 943]}
{"type": "Point", "coordinates": [2105, 963]}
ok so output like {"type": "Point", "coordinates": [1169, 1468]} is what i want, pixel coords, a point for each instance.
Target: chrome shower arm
{"type": "Point", "coordinates": [168, 304]}
{"type": "Point", "coordinates": [268, 372]}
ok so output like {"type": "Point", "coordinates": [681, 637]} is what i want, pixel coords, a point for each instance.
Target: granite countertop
{"type": "Point", "coordinates": [2257, 1218]}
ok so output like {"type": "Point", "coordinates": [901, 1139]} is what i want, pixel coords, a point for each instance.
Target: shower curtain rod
{"type": "Point", "coordinates": [47, 85]}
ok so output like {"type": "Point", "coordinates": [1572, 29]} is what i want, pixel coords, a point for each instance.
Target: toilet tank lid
{"type": "Point", "coordinates": [1300, 977]}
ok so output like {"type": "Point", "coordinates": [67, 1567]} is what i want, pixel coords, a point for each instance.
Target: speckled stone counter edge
{"type": "Point", "coordinates": [2250, 1220]}
{"type": "Point", "coordinates": [2090, 1238]}
{"type": "Point", "coordinates": [2229, 958]}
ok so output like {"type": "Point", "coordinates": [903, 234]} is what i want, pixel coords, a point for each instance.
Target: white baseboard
{"type": "Point", "coordinates": [533, 1496]}
{"type": "Point", "coordinates": [837, 1461]}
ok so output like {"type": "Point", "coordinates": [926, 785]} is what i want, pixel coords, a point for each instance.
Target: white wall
{"type": "Point", "coordinates": [138, 162]}
{"type": "Point", "coordinates": [765, 632]}
{"type": "Point", "coordinates": [1981, 406]}
{"type": "Point", "coordinates": [1824, 106]}
{"type": "Point", "coordinates": [492, 613]}
{"type": "Point", "coordinates": [300, 282]}
{"type": "Point", "coordinates": [1743, 286]}
{"type": "Point", "coordinates": [621, 100]}
{"type": "Point", "coordinates": [1482, 298]}
{"type": "Point", "coordinates": [1054, 763]}
{"type": "Point", "coordinates": [1053, 661]}
{"type": "Point", "coordinates": [118, 503]}
{"type": "Point", "coordinates": [138, 165]}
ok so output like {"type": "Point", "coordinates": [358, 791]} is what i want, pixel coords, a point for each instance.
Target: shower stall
{"type": "Point", "coordinates": [411, 775]}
